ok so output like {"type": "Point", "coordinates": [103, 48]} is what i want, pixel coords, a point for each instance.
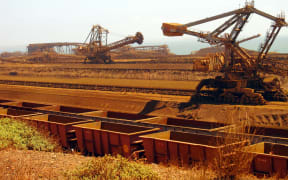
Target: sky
{"type": "Point", "coordinates": [40, 21]}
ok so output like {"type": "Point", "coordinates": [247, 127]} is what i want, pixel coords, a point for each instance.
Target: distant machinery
{"type": "Point", "coordinates": [58, 47]}
{"type": "Point", "coordinates": [51, 52]}
{"type": "Point", "coordinates": [152, 52]}
{"type": "Point", "coordinates": [157, 50]}
{"type": "Point", "coordinates": [96, 49]}
{"type": "Point", "coordinates": [242, 81]}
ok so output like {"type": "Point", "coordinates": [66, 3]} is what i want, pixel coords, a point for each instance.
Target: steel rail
{"type": "Point", "coordinates": [255, 138]}
{"type": "Point", "coordinates": [163, 91]}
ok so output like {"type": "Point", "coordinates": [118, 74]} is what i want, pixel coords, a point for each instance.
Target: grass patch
{"type": "Point", "coordinates": [19, 135]}
{"type": "Point", "coordinates": [112, 167]}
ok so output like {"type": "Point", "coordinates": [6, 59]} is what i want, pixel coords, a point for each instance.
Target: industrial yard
{"type": "Point", "coordinates": [220, 112]}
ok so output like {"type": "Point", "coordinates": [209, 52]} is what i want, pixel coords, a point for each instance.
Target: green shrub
{"type": "Point", "coordinates": [17, 134]}
{"type": "Point", "coordinates": [110, 167]}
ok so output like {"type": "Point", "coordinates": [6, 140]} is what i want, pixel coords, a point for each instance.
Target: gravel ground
{"type": "Point", "coordinates": [25, 164]}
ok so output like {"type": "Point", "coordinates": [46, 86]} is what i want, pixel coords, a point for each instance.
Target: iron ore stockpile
{"type": "Point", "coordinates": [145, 101]}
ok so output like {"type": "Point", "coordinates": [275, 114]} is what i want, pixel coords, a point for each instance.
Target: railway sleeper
{"type": "Point", "coordinates": [101, 87]}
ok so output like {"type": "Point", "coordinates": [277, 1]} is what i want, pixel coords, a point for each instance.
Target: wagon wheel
{"type": "Point", "coordinates": [228, 97]}
{"type": "Point", "coordinates": [220, 98]}
{"type": "Point", "coordinates": [107, 60]}
{"type": "Point", "coordinates": [244, 99]}
{"type": "Point", "coordinates": [85, 60]}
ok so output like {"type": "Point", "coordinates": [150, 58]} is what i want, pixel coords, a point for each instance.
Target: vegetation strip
{"type": "Point", "coordinates": [18, 135]}
{"type": "Point", "coordinates": [113, 167]}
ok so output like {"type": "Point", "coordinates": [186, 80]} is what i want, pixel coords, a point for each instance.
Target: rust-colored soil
{"type": "Point", "coordinates": [161, 105]}
{"type": "Point", "coordinates": [272, 114]}
{"type": "Point", "coordinates": [167, 72]}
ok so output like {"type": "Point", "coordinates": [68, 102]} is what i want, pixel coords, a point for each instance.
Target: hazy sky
{"type": "Point", "coordinates": [38, 21]}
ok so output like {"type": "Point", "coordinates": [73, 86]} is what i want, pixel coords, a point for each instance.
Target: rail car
{"type": "Point", "coordinates": [159, 139]}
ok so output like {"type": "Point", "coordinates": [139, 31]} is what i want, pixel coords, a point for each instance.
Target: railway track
{"type": "Point", "coordinates": [163, 91]}
{"type": "Point", "coordinates": [103, 68]}
{"type": "Point", "coordinates": [174, 128]}
{"type": "Point", "coordinates": [112, 120]}
{"type": "Point", "coordinates": [144, 136]}
{"type": "Point", "coordinates": [139, 66]}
